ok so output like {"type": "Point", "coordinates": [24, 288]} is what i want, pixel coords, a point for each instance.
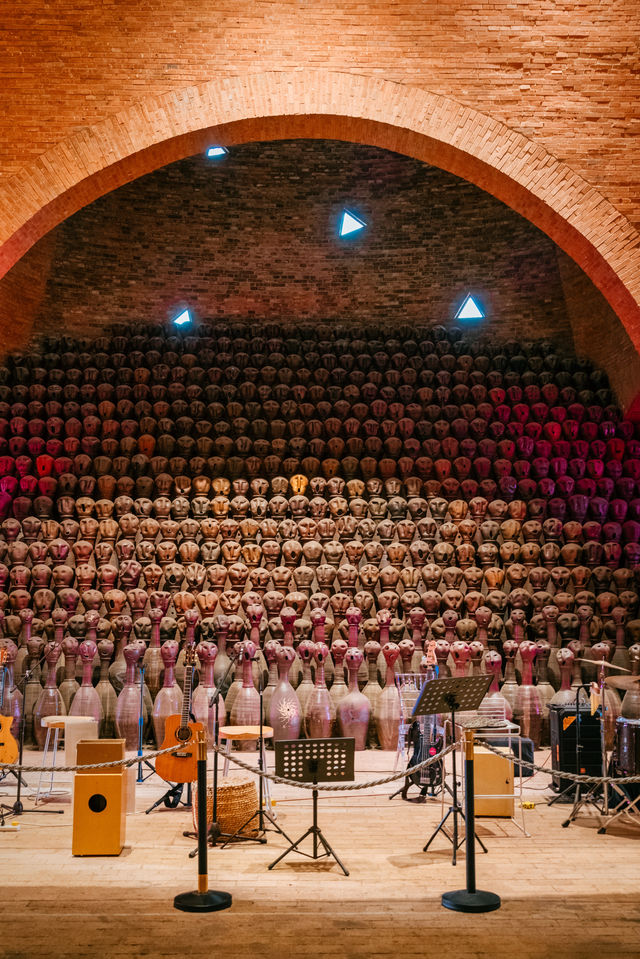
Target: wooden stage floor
{"type": "Point", "coordinates": [566, 893]}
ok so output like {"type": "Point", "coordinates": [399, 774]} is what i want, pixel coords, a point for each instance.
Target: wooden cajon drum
{"type": "Point", "coordinates": [99, 800]}
{"type": "Point", "coordinates": [493, 776]}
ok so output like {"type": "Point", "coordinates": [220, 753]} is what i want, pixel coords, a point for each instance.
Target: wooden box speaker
{"type": "Point", "coordinates": [99, 807]}
{"type": "Point", "coordinates": [493, 784]}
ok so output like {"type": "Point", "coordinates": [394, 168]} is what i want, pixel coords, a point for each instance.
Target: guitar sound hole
{"type": "Point", "coordinates": [183, 734]}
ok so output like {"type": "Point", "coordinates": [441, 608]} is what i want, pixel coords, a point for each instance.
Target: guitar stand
{"type": "Point", "coordinates": [172, 798]}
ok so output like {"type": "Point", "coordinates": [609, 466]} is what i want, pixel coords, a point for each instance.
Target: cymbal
{"type": "Point", "coordinates": [602, 662]}
{"type": "Point", "coordinates": [622, 682]}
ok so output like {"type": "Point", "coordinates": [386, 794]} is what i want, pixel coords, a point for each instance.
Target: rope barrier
{"type": "Point", "coordinates": [574, 777]}
{"type": "Point", "coordinates": [17, 768]}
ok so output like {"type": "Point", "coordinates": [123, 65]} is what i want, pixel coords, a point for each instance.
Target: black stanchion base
{"type": "Point", "coordinates": [211, 901]}
{"type": "Point", "coordinates": [463, 901]}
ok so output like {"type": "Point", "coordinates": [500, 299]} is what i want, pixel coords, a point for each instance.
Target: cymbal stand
{"type": "Point", "coordinates": [589, 797]}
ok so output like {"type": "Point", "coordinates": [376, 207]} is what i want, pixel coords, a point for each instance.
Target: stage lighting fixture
{"type": "Point", "coordinates": [182, 319]}
{"type": "Point", "coordinates": [214, 153]}
{"type": "Point", "coordinates": [350, 223]}
{"type": "Point", "coordinates": [470, 310]}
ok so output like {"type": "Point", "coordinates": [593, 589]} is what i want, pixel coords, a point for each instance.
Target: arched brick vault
{"type": "Point", "coordinates": [326, 105]}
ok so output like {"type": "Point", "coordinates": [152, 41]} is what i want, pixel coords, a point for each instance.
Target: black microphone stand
{"type": "Point", "coordinates": [214, 832]}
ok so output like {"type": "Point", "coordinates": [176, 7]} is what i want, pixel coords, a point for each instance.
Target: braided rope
{"type": "Point", "coordinates": [17, 768]}
{"type": "Point", "coordinates": [253, 769]}
{"type": "Point", "coordinates": [347, 787]}
{"type": "Point", "coordinates": [574, 777]}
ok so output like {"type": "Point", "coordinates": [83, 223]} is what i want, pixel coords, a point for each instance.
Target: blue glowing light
{"type": "Point", "coordinates": [470, 310]}
{"type": "Point", "coordinates": [350, 223]}
{"type": "Point", "coordinates": [182, 319]}
{"type": "Point", "coordinates": [214, 153]}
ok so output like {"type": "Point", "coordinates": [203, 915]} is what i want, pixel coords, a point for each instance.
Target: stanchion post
{"type": "Point", "coordinates": [470, 899]}
{"type": "Point", "coordinates": [203, 899]}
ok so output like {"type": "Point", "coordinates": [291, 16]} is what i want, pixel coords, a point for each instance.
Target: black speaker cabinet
{"type": "Point", "coordinates": [562, 727]}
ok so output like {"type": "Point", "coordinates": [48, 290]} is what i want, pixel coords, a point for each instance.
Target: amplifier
{"type": "Point", "coordinates": [562, 728]}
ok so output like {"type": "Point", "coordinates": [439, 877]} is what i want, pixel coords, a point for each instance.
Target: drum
{"type": "Point", "coordinates": [626, 752]}
{"type": "Point", "coordinates": [237, 802]}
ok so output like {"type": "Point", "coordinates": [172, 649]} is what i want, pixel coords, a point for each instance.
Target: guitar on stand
{"type": "Point", "coordinates": [181, 766]}
{"type": "Point", "coordinates": [8, 744]}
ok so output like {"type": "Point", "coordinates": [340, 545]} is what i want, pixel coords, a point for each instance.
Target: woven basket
{"type": "Point", "coordinates": [237, 802]}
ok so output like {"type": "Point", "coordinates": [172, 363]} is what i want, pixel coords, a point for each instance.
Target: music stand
{"type": "Point", "coordinates": [451, 695]}
{"type": "Point", "coordinates": [314, 761]}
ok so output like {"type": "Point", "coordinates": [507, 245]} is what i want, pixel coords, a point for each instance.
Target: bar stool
{"type": "Point", "coordinates": [73, 728]}
{"type": "Point", "coordinates": [248, 734]}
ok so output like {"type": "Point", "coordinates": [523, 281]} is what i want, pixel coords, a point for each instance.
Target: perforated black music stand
{"type": "Point", "coordinates": [451, 695]}
{"type": "Point", "coordinates": [314, 761]}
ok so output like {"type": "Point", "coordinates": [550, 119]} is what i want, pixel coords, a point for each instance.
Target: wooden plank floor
{"type": "Point", "coordinates": [566, 893]}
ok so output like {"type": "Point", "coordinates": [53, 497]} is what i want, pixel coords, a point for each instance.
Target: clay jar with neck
{"type": "Point", "coordinates": [106, 692]}
{"type": "Point", "coordinates": [288, 618]}
{"type": "Point", "coordinates": [372, 688]}
{"type": "Point", "coordinates": [270, 651]}
{"type": "Point", "coordinates": [12, 701]}
{"type": "Point", "coordinates": [388, 714]}
{"type": "Point", "coordinates": [205, 689]}
{"type": "Point", "coordinates": [493, 665]}
{"type": "Point", "coordinates": [612, 704]}
{"type": "Point", "coordinates": [565, 696]}
{"type": "Point", "coordinates": [152, 662]}
{"type": "Point", "coordinates": [510, 685]}
{"type": "Point", "coordinates": [168, 701]}
{"type": "Point", "coordinates": [49, 702]}
{"type": "Point", "coordinates": [305, 652]}
{"type": "Point", "coordinates": [354, 709]}
{"type": "Point", "coordinates": [630, 707]}
{"type": "Point", "coordinates": [338, 688]}
{"type": "Point", "coordinates": [128, 705]}
{"type": "Point", "coordinates": [246, 707]}
{"type": "Point", "coordinates": [544, 687]}
{"type": "Point", "coordinates": [320, 712]}
{"type": "Point", "coordinates": [69, 685]}
{"type": "Point", "coordinates": [32, 688]}
{"type": "Point", "coordinates": [86, 701]}
{"type": "Point", "coordinates": [527, 708]}
{"type": "Point", "coordinates": [285, 712]}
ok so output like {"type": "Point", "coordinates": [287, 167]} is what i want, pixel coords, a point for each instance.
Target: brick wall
{"type": "Point", "coordinates": [255, 235]}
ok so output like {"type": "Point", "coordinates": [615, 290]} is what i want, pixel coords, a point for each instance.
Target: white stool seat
{"type": "Point", "coordinates": [74, 728]}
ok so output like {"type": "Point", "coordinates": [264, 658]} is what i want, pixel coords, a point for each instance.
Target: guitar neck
{"type": "Point", "coordinates": [186, 696]}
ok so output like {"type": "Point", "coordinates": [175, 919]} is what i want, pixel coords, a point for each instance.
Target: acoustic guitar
{"type": "Point", "coordinates": [182, 765]}
{"type": "Point", "coordinates": [8, 744]}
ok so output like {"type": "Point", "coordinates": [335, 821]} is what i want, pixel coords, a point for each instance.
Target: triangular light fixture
{"type": "Point", "coordinates": [470, 310]}
{"type": "Point", "coordinates": [350, 223]}
{"type": "Point", "coordinates": [182, 319]}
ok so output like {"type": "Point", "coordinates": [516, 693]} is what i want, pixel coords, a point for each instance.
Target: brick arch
{"type": "Point", "coordinates": [326, 105]}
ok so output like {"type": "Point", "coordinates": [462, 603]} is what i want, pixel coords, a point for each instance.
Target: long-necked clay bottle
{"type": "Point", "coordinates": [544, 687]}
{"type": "Point", "coordinates": [354, 709]}
{"type": "Point", "coordinates": [621, 653]}
{"type": "Point", "coordinates": [152, 662]}
{"type": "Point", "coordinates": [122, 626]}
{"type": "Point", "coordinates": [69, 685]}
{"type": "Point", "coordinates": [372, 689]}
{"type": "Point", "coordinates": [356, 639]}
{"type": "Point", "coordinates": [22, 659]}
{"type": "Point", "coordinates": [86, 701]}
{"type": "Point", "coordinates": [612, 705]}
{"type": "Point", "coordinates": [236, 684]}
{"type": "Point", "coordinates": [493, 666]}
{"type": "Point", "coordinates": [255, 613]}
{"type": "Point", "coordinates": [246, 706]}
{"type": "Point", "coordinates": [106, 692]}
{"type": "Point", "coordinates": [221, 627]}
{"type": "Point", "coordinates": [338, 688]}
{"type": "Point", "coordinates": [49, 701]}
{"type": "Point", "coordinates": [32, 689]}
{"type": "Point", "coordinates": [388, 714]}
{"type": "Point", "coordinates": [285, 712]}
{"type": "Point", "coordinates": [510, 685]}
{"type": "Point", "coordinates": [320, 712]}
{"type": "Point", "coordinates": [550, 615]}
{"type": "Point", "coordinates": [566, 695]}
{"type": "Point", "coordinates": [305, 652]}
{"type": "Point", "coordinates": [205, 689]}
{"type": "Point", "coordinates": [271, 648]}
{"type": "Point", "coordinates": [288, 618]}
{"type": "Point", "coordinates": [527, 708]}
{"type": "Point", "coordinates": [128, 705]}
{"type": "Point", "coordinates": [169, 698]}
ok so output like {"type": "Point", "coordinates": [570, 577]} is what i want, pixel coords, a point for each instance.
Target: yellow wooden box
{"type": "Point", "coordinates": [493, 777]}
{"type": "Point", "coordinates": [99, 807]}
